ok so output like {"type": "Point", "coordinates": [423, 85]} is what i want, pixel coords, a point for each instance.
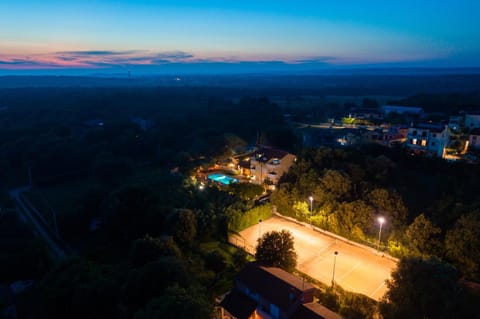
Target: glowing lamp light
{"type": "Point", "coordinates": [310, 198]}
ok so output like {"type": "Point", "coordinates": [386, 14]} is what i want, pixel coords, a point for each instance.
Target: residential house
{"type": "Point", "coordinates": [455, 123]}
{"type": "Point", "coordinates": [472, 120]}
{"type": "Point", "coordinates": [366, 114]}
{"type": "Point", "coordinates": [474, 139]}
{"type": "Point", "coordinates": [429, 138]}
{"type": "Point", "coordinates": [349, 136]}
{"type": "Point", "coordinates": [387, 109]}
{"type": "Point", "coordinates": [396, 134]}
{"type": "Point", "coordinates": [269, 292]}
{"type": "Point", "coordinates": [374, 136]}
{"type": "Point", "coordinates": [266, 164]}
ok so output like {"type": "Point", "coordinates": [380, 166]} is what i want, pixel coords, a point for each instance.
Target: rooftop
{"type": "Point", "coordinates": [274, 284]}
{"type": "Point", "coordinates": [476, 113]}
{"type": "Point", "coordinates": [266, 154]}
{"type": "Point", "coordinates": [314, 310]}
{"type": "Point", "coordinates": [435, 128]}
{"type": "Point", "coordinates": [238, 305]}
{"type": "Point", "coordinates": [402, 109]}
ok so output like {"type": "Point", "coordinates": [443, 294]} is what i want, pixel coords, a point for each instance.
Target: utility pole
{"type": "Point", "coordinates": [310, 198]}
{"type": "Point", "coordinates": [333, 275]}
{"type": "Point", "coordinates": [259, 228]}
{"type": "Point", "coordinates": [381, 220]}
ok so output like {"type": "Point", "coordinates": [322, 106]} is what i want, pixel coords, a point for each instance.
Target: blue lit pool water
{"type": "Point", "coordinates": [224, 179]}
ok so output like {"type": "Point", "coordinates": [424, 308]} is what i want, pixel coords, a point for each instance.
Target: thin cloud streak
{"type": "Point", "coordinates": [96, 59]}
{"type": "Point", "coordinates": [159, 61]}
{"type": "Point", "coordinates": [98, 52]}
{"type": "Point", "coordinates": [127, 58]}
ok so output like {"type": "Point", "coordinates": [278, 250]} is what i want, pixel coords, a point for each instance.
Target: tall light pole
{"type": "Point", "coordinates": [334, 261]}
{"type": "Point", "coordinates": [310, 198]}
{"type": "Point", "coordinates": [381, 220]}
{"type": "Point", "coordinates": [259, 228]}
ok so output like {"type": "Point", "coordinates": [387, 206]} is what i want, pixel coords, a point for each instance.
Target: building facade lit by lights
{"type": "Point", "coordinates": [266, 165]}
{"type": "Point", "coordinates": [429, 138]}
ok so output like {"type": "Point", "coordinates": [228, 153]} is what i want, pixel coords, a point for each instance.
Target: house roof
{"type": "Point", "coordinates": [434, 128]}
{"type": "Point", "coordinates": [274, 284]}
{"type": "Point", "coordinates": [367, 111]}
{"type": "Point", "coordinates": [238, 305]}
{"type": "Point", "coordinates": [401, 109]}
{"type": "Point", "coordinates": [472, 113]}
{"type": "Point", "coordinates": [265, 154]}
{"type": "Point", "coordinates": [315, 310]}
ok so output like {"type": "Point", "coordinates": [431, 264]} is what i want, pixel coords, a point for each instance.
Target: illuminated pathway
{"type": "Point", "coordinates": [357, 269]}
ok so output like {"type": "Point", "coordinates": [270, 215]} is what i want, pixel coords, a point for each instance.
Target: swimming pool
{"type": "Point", "coordinates": [224, 179]}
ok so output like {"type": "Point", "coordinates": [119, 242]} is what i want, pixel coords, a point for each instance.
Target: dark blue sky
{"type": "Point", "coordinates": [154, 36]}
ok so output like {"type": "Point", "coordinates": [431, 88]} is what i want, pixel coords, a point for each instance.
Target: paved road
{"type": "Point", "coordinates": [357, 269]}
{"type": "Point", "coordinates": [330, 126]}
{"type": "Point", "coordinates": [56, 251]}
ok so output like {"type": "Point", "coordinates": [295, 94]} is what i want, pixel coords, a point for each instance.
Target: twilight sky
{"type": "Point", "coordinates": [296, 35]}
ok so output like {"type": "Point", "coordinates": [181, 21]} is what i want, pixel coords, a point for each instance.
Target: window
{"type": "Point", "coordinates": [414, 141]}
{"type": "Point", "coordinates": [424, 142]}
{"type": "Point", "coordinates": [414, 133]}
{"type": "Point", "coordinates": [424, 134]}
{"type": "Point", "coordinates": [433, 144]}
{"type": "Point", "coordinates": [434, 135]}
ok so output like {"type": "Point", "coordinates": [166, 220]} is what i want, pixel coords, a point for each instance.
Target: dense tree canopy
{"type": "Point", "coordinates": [275, 249]}
{"type": "Point", "coordinates": [423, 237]}
{"type": "Point", "coordinates": [126, 153]}
{"type": "Point", "coordinates": [148, 249]}
{"type": "Point", "coordinates": [177, 303]}
{"type": "Point", "coordinates": [423, 288]}
{"type": "Point", "coordinates": [462, 244]}
{"type": "Point", "coordinates": [131, 212]}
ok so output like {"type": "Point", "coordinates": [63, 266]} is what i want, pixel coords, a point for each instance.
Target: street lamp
{"type": "Point", "coordinates": [334, 261]}
{"type": "Point", "coordinates": [381, 220]}
{"type": "Point", "coordinates": [310, 198]}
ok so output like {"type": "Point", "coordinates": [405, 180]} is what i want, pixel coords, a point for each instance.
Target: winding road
{"type": "Point", "coordinates": [28, 212]}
